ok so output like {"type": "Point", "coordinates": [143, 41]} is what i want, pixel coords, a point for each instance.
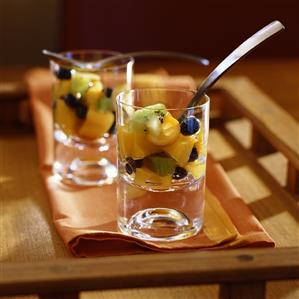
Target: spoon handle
{"type": "Point", "coordinates": [232, 58]}
{"type": "Point", "coordinates": [62, 58]}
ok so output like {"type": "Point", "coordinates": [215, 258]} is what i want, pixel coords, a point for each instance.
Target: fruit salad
{"type": "Point", "coordinates": [83, 107]}
{"type": "Point", "coordinates": [158, 151]}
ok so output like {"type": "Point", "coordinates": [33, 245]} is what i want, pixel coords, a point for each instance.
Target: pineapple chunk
{"type": "Point", "coordinates": [181, 149]}
{"type": "Point", "coordinates": [146, 177]}
{"type": "Point", "coordinates": [200, 144]}
{"type": "Point", "coordinates": [65, 117]}
{"type": "Point", "coordinates": [94, 93]}
{"type": "Point", "coordinates": [96, 124]}
{"type": "Point", "coordinates": [125, 142]}
{"type": "Point", "coordinates": [134, 144]}
{"type": "Point", "coordinates": [61, 88]}
{"type": "Point", "coordinates": [196, 168]}
{"type": "Point", "coordinates": [168, 133]}
{"type": "Point", "coordinates": [142, 147]}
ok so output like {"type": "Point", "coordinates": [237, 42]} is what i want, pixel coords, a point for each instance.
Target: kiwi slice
{"type": "Point", "coordinates": [163, 166]}
{"type": "Point", "coordinates": [80, 83]}
{"type": "Point", "coordinates": [140, 118]}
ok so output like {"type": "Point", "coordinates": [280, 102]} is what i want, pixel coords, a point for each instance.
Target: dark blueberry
{"type": "Point", "coordinates": [129, 168]}
{"type": "Point", "coordinates": [179, 173]}
{"type": "Point", "coordinates": [108, 92]}
{"type": "Point", "coordinates": [81, 111]}
{"type": "Point", "coordinates": [194, 155]}
{"type": "Point", "coordinates": [189, 126]}
{"type": "Point", "coordinates": [70, 100]}
{"type": "Point", "coordinates": [112, 128]}
{"type": "Point", "coordinates": [63, 74]}
{"type": "Point", "coordinates": [135, 163]}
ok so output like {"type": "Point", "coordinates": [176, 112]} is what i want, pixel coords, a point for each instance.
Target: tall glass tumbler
{"type": "Point", "coordinates": [84, 115]}
{"type": "Point", "coordinates": [162, 148]}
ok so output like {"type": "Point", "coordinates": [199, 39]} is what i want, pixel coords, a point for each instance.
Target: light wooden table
{"type": "Point", "coordinates": [27, 233]}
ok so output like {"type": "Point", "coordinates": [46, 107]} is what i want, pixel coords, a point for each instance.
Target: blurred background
{"type": "Point", "coordinates": [207, 28]}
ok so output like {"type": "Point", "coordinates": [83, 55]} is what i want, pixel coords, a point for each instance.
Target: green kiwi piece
{"type": "Point", "coordinates": [142, 116]}
{"type": "Point", "coordinates": [163, 166]}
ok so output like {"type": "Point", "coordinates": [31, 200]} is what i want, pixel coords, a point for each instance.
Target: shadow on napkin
{"type": "Point", "coordinates": [85, 218]}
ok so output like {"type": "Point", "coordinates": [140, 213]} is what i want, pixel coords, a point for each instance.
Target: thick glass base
{"type": "Point", "coordinates": [87, 173]}
{"type": "Point", "coordinates": [82, 162]}
{"type": "Point", "coordinates": [160, 224]}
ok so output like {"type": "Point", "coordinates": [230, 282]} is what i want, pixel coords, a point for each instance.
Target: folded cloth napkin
{"type": "Point", "coordinates": [85, 217]}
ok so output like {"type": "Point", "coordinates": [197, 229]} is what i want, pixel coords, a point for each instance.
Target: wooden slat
{"type": "Point", "coordinates": [12, 91]}
{"type": "Point", "coordinates": [259, 144]}
{"type": "Point", "coordinates": [70, 295]}
{"type": "Point", "coordinates": [149, 270]}
{"type": "Point", "coordinates": [274, 123]}
{"type": "Point", "coordinates": [293, 179]}
{"type": "Point", "coordinates": [256, 290]}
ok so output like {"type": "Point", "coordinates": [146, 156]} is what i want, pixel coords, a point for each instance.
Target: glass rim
{"type": "Point", "coordinates": [111, 53]}
{"type": "Point", "coordinates": [198, 106]}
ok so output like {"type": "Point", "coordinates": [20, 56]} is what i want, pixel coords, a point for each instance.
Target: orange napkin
{"type": "Point", "coordinates": [85, 217]}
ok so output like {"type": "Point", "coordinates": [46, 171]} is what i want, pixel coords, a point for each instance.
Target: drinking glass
{"type": "Point", "coordinates": [162, 148]}
{"type": "Point", "coordinates": [84, 115]}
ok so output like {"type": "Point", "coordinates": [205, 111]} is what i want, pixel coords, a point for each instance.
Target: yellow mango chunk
{"type": "Point", "coordinates": [134, 144]}
{"type": "Point", "coordinates": [125, 141]}
{"type": "Point", "coordinates": [146, 177]}
{"type": "Point", "coordinates": [65, 117]}
{"type": "Point", "coordinates": [168, 133]}
{"type": "Point", "coordinates": [200, 144]}
{"type": "Point", "coordinates": [94, 93]}
{"type": "Point", "coordinates": [96, 124]}
{"type": "Point", "coordinates": [181, 149]}
{"type": "Point", "coordinates": [61, 88]}
{"type": "Point", "coordinates": [196, 168]}
{"type": "Point", "coordinates": [142, 147]}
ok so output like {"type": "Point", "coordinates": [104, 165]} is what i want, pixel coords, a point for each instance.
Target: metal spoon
{"type": "Point", "coordinates": [105, 61]}
{"type": "Point", "coordinates": [64, 58]}
{"type": "Point", "coordinates": [234, 56]}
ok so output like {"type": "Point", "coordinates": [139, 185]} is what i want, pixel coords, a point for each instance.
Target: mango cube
{"type": "Point", "coordinates": [61, 88]}
{"type": "Point", "coordinates": [134, 144]}
{"type": "Point", "coordinates": [65, 118]}
{"type": "Point", "coordinates": [94, 93]}
{"type": "Point", "coordinates": [144, 176]}
{"type": "Point", "coordinates": [125, 142]}
{"type": "Point", "coordinates": [196, 168]}
{"type": "Point", "coordinates": [96, 124]}
{"type": "Point", "coordinates": [181, 149]}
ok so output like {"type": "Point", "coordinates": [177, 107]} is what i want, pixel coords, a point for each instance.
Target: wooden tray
{"type": "Point", "coordinates": [257, 144]}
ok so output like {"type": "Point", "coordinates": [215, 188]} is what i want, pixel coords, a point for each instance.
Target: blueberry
{"type": "Point", "coordinates": [70, 100]}
{"type": "Point", "coordinates": [108, 92]}
{"type": "Point", "coordinates": [63, 74]}
{"type": "Point", "coordinates": [134, 163]}
{"type": "Point", "coordinates": [190, 126]}
{"type": "Point", "coordinates": [129, 168]}
{"type": "Point", "coordinates": [194, 155]}
{"type": "Point", "coordinates": [179, 173]}
{"type": "Point", "coordinates": [81, 111]}
{"type": "Point", "coordinates": [112, 128]}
